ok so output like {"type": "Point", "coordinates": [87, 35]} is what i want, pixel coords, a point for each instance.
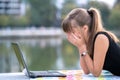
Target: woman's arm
{"type": "Point", "coordinates": [100, 49]}
{"type": "Point", "coordinates": [82, 60]}
{"type": "Point", "coordinates": [84, 66]}
{"type": "Point", "coordinates": [101, 45]}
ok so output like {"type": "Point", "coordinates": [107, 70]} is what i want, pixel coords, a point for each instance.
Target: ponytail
{"type": "Point", "coordinates": [96, 23]}
{"type": "Point", "coordinates": [96, 26]}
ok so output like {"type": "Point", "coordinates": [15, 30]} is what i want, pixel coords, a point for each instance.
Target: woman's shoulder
{"type": "Point", "coordinates": [102, 34]}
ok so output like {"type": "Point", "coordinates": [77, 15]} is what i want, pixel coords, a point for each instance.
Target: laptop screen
{"type": "Point", "coordinates": [20, 57]}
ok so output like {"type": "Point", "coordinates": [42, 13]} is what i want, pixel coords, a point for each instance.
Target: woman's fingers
{"type": "Point", "coordinates": [78, 37]}
{"type": "Point", "coordinates": [74, 36]}
{"type": "Point", "coordinates": [74, 39]}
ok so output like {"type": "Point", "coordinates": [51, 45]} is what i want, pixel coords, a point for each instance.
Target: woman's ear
{"type": "Point", "coordinates": [85, 28]}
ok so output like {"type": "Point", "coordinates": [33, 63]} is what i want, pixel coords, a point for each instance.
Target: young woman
{"type": "Point", "coordinates": [98, 48]}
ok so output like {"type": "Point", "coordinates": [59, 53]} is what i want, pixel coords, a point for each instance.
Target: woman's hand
{"type": "Point", "coordinates": [76, 40]}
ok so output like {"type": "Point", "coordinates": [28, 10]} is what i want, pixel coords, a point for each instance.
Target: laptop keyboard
{"type": "Point", "coordinates": [34, 74]}
{"type": "Point", "coordinates": [45, 72]}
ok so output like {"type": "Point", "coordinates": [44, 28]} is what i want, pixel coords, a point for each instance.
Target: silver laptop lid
{"type": "Point", "coordinates": [20, 58]}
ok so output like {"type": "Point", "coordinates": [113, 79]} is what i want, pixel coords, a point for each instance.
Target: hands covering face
{"type": "Point", "coordinates": [76, 39]}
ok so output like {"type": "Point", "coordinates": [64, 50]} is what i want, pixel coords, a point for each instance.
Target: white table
{"type": "Point", "coordinates": [71, 75]}
{"type": "Point", "coordinates": [13, 76]}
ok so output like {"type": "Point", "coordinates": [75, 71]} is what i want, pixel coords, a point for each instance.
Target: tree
{"type": "Point", "coordinates": [4, 20]}
{"type": "Point", "coordinates": [42, 12]}
{"type": "Point", "coordinates": [114, 19]}
{"type": "Point", "coordinates": [68, 6]}
{"type": "Point", "coordinates": [18, 21]}
{"type": "Point", "coordinates": [104, 9]}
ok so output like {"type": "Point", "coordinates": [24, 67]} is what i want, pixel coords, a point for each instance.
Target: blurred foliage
{"type": "Point", "coordinates": [67, 7]}
{"type": "Point", "coordinates": [20, 21]}
{"type": "Point", "coordinates": [39, 12]}
{"type": "Point", "coordinates": [114, 18]}
{"type": "Point", "coordinates": [42, 12]}
{"type": "Point", "coordinates": [4, 20]}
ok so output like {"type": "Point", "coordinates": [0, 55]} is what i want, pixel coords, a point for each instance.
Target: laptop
{"type": "Point", "coordinates": [33, 74]}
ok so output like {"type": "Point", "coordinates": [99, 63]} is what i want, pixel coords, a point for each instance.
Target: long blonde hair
{"type": "Point", "coordinates": [92, 19]}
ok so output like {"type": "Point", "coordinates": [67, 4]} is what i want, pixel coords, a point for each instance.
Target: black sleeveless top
{"type": "Point", "coordinates": [112, 59]}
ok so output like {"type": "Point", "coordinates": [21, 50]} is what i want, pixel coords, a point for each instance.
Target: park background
{"type": "Point", "coordinates": [36, 26]}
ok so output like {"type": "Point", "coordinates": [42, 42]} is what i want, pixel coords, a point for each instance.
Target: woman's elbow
{"type": "Point", "coordinates": [86, 72]}
{"type": "Point", "coordinates": [97, 74]}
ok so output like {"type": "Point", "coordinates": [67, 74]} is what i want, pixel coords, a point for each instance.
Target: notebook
{"type": "Point", "coordinates": [33, 74]}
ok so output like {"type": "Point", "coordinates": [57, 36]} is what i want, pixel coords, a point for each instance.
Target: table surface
{"type": "Point", "coordinates": [71, 75]}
